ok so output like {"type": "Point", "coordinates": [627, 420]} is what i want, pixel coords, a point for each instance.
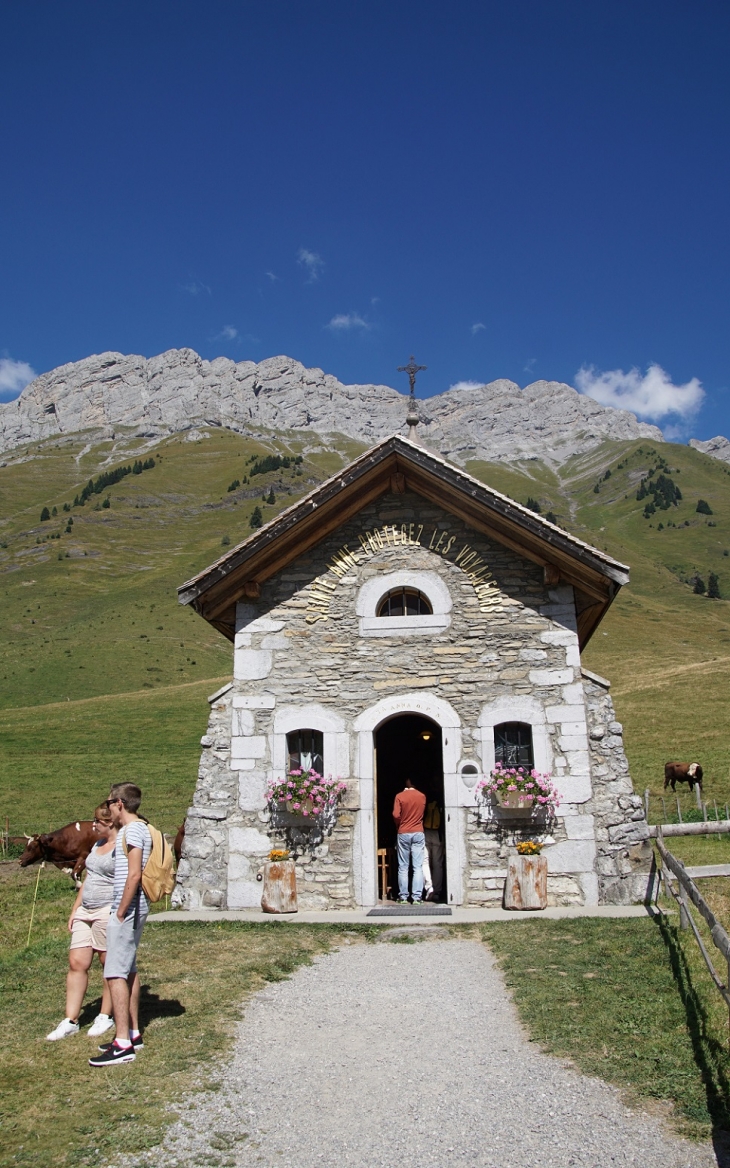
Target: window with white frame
{"type": "Point", "coordinates": [305, 750]}
{"type": "Point", "coordinates": [513, 745]}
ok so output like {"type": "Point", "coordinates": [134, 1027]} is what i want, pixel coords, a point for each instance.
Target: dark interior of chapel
{"type": "Point", "coordinates": [408, 745]}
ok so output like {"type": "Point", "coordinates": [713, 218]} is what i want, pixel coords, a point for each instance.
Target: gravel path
{"type": "Point", "coordinates": [406, 1056]}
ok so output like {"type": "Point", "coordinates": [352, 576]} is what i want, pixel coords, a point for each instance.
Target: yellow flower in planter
{"type": "Point", "coordinates": [276, 855]}
{"type": "Point", "coordinates": [529, 848]}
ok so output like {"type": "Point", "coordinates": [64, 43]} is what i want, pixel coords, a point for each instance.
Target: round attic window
{"type": "Point", "coordinates": [405, 602]}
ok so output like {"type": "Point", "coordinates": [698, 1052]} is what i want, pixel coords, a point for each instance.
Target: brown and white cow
{"type": "Point", "coordinates": [67, 848]}
{"type": "Point", "coordinates": [682, 772]}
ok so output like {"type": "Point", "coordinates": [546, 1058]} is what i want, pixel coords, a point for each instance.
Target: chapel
{"type": "Point", "coordinates": [406, 617]}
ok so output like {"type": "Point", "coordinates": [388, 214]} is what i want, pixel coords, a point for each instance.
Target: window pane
{"type": "Point", "coordinates": [306, 750]}
{"type": "Point", "coordinates": [405, 602]}
{"type": "Point", "coordinates": [513, 744]}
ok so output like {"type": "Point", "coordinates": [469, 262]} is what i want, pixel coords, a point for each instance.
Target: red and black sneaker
{"type": "Point", "coordinates": [137, 1043]}
{"type": "Point", "coordinates": [115, 1054]}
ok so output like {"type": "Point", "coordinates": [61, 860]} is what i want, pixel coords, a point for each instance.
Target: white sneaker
{"type": "Point", "coordinates": [63, 1030]}
{"type": "Point", "coordinates": [100, 1025]}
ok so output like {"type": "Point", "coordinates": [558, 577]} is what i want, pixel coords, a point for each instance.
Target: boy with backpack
{"type": "Point", "coordinates": [142, 871]}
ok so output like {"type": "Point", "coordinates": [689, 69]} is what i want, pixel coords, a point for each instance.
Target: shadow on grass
{"type": "Point", "coordinates": [710, 1056]}
{"type": "Point", "coordinates": [151, 1006]}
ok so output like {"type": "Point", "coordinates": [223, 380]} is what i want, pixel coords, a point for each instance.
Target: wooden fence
{"type": "Point", "coordinates": [688, 891]}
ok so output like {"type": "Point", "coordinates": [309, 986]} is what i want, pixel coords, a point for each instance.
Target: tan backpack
{"type": "Point", "coordinates": [158, 877]}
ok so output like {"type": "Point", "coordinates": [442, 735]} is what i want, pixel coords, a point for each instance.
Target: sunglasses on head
{"type": "Point", "coordinates": [108, 802]}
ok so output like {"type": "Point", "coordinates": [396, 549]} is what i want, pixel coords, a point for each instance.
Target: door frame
{"type": "Point", "coordinates": [365, 844]}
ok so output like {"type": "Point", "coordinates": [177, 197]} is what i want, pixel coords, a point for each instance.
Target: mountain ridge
{"type": "Point", "coordinates": [179, 390]}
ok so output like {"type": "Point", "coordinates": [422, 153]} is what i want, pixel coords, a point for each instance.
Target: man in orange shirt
{"type": "Point", "coordinates": [408, 810]}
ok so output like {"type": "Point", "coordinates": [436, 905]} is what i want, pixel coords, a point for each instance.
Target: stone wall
{"type": "Point", "coordinates": [624, 854]}
{"type": "Point", "coordinates": [500, 646]}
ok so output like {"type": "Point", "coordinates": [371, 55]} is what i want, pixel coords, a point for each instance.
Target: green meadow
{"type": "Point", "coordinates": [105, 676]}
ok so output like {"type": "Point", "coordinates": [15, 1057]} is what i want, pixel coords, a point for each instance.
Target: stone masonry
{"type": "Point", "coordinates": [310, 653]}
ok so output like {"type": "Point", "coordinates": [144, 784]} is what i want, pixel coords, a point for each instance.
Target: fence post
{"type": "Point", "coordinates": [679, 809]}
{"type": "Point", "coordinates": [683, 915]}
{"type": "Point", "coordinates": [646, 804]}
{"type": "Point", "coordinates": [698, 796]}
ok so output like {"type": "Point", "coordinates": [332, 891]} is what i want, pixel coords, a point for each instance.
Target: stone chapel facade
{"type": "Point", "coordinates": [405, 614]}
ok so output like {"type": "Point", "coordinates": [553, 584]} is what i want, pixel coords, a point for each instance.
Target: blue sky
{"type": "Point", "coordinates": [518, 189]}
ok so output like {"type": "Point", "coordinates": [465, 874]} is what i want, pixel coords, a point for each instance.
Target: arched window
{"type": "Point", "coordinates": [513, 745]}
{"type": "Point", "coordinates": [405, 602]}
{"type": "Point", "coordinates": [305, 750]}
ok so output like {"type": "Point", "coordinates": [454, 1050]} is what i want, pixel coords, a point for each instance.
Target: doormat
{"type": "Point", "coordinates": [411, 910]}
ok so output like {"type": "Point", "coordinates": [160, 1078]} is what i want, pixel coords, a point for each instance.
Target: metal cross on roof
{"type": "Point", "coordinates": [412, 369]}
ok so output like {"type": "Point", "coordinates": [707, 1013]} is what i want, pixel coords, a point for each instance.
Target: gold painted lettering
{"type": "Point", "coordinates": [418, 537]}
{"type": "Point", "coordinates": [430, 546]}
{"type": "Point", "coordinates": [447, 549]}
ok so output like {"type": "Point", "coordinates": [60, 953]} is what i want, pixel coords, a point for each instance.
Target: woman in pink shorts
{"type": "Point", "coordinates": [87, 925]}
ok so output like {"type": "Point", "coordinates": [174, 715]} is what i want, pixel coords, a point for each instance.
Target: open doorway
{"type": "Point", "coordinates": [409, 744]}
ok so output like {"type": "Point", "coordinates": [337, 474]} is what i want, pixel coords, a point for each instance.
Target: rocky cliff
{"type": "Point", "coordinates": [178, 390]}
{"type": "Point", "coordinates": [716, 447]}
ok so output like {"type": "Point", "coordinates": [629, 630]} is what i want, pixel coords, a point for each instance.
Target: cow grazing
{"type": "Point", "coordinates": [682, 772]}
{"type": "Point", "coordinates": [177, 846]}
{"type": "Point", "coordinates": [67, 848]}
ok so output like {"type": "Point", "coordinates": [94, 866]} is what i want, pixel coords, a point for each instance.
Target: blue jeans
{"type": "Point", "coordinates": [411, 845]}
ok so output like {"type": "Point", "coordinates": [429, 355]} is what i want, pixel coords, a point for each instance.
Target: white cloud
{"type": "Point", "coordinates": [311, 262]}
{"type": "Point", "coordinates": [466, 385]}
{"type": "Point", "coordinates": [529, 365]}
{"type": "Point", "coordinates": [652, 395]}
{"type": "Point", "coordinates": [346, 322]}
{"type": "Point", "coordinates": [14, 376]}
{"type": "Point", "coordinates": [272, 277]}
{"type": "Point", "coordinates": [477, 328]}
{"type": "Point", "coordinates": [195, 288]}
{"type": "Point", "coordinates": [227, 333]}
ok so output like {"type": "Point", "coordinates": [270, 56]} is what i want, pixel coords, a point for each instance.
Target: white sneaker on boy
{"type": "Point", "coordinates": [63, 1030]}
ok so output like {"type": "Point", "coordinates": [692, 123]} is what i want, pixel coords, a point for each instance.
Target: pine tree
{"type": "Point", "coordinates": [257, 518]}
{"type": "Point", "coordinates": [713, 587]}
{"type": "Point", "coordinates": [699, 586]}
{"type": "Point", "coordinates": [54, 512]}
{"type": "Point", "coordinates": [45, 514]}
{"type": "Point", "coordinates": [703, 507]}
{"type": "Point", "coordinates": [271, 496]}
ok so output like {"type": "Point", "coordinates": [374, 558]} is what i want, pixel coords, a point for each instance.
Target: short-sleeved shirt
{"type": "Point", "coordinates": [408, 810]}
{"type": "Point", "coordinates": [137, 836]}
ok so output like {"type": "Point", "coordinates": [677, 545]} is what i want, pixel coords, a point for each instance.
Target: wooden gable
{"type": "Point", "coordinates": [397, 465]}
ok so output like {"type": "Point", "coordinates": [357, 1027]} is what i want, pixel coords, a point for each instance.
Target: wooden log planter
{"type": "Point", "coordinates": [526, 884]}
{"type": "Point", "coordinates": [279, 894]}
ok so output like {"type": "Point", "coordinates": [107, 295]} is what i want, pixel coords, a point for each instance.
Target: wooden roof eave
{"type": "Point", "coordinates": [214, 592]}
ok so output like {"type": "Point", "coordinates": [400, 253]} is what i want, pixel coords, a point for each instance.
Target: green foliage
{"type": "Point", "coordinates": [713, 587]}
{"type": "Point", "coordinates": [54, 512]}
{"type": "Point", "coordinates": [274, 462]}
{"type": "Point", "coordinates": [225, 541]}
{"type": "Point", "coordinates": [106, 504]}
{"type": "Point", "coordinates": [699, 587]}
{"type": "Point", "coordinates": [257, 518]}
{"type": "Point", "coordinates": [596, 489]}
{"type": "Point", "coordinates": [67, 506]}
{"type": "Point", "coordinates": [234, 485]}
{"type": "Point", "coordinates": [45, 514]}
{"type": "Point", "coordinates": [703, 507]}
{"type": "Point", "coordinates": [533, 505]}
{"type": "Point", "coordinates": [109, 478]}
{"type": "Point", "coordinates": [271, 497]}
